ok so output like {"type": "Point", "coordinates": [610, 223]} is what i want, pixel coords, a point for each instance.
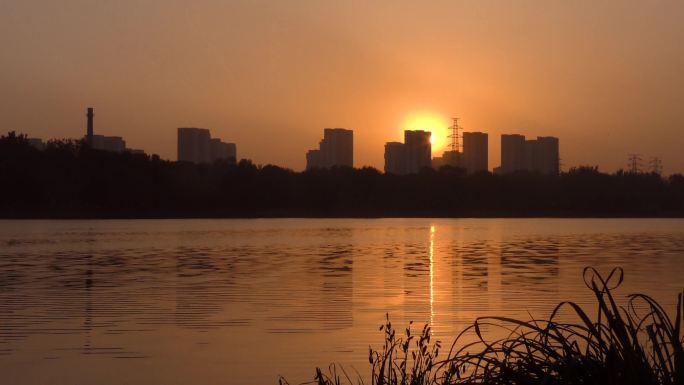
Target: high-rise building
{"type": "Point", "coordinates": [539, 155]}
{"type": "Point", "coordinates": [194, 145]}
{"type": "Point", "coordinates": [395, 159]}
{"type": "Point", "coordinates": [336, 149]}
{"type": "Point", "coordinates": [512, 153]}
{"type": "Point", "coordinates": [546, 159]}
{"type": "Point", "coordinates": [418, 150]}
{"type": "Point", "coordinates": [411, 156]}
{"type": "Point", "coordinates": [197, 146]}
{"type": "Point", "coordinates": [476, 151]}
{"type": "Point", "coordinates": [530, 162]}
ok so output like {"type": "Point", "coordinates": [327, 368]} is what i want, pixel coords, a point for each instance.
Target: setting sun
{"type": "Point", "coordinates": [429, 121]}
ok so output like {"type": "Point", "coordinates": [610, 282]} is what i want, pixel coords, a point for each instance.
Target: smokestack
{"type": "Point", "coordinates": [89, 133]}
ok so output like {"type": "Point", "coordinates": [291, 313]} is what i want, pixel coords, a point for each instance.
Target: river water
{"type": "Point", "coordinates": [244, 301]}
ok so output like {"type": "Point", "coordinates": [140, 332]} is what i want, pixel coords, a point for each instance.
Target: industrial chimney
{"type": "Point", "coordinates": [89, 133]}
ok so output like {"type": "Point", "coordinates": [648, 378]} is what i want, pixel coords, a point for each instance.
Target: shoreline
{"type": "Point", "coordinates": [252, 217]}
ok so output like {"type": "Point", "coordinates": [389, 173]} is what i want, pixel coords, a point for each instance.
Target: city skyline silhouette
{"type": "Point", "coordinates": [603, 77]}
{"type": "Point", "coordinates": [541, 155]}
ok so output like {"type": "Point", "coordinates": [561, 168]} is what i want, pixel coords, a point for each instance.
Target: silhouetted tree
{"type": "Point", "coordinates": [70, 179]}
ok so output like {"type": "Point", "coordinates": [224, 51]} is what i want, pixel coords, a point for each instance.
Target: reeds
{"type": "Point", "coordinates": [638, 343]}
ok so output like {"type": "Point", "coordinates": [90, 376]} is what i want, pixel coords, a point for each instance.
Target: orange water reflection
{"type": "Point", "coordinates": [241, 301]}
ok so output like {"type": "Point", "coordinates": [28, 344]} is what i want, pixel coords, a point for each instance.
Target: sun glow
{"type": "Point", "coordinates": [429, 121]}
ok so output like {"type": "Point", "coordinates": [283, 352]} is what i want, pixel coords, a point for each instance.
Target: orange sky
{"type": "Point", "coordinates": [606, 77]}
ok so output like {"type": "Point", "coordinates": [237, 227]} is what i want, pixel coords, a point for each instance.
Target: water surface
{"type": "Point", "coordinates": [243, 301]}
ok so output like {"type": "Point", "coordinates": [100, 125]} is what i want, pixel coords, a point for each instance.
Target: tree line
{"type": "Point", "coordinates": [68, 179]}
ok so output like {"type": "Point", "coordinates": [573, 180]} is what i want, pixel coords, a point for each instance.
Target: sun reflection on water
{"type": "Point", "coordinates": [432, 273]}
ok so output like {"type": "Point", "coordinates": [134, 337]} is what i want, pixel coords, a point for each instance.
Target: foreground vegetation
{"type": "Point", "coordinates": [634, 344]}
{"type": "Point", "coordinates": [68, 179]}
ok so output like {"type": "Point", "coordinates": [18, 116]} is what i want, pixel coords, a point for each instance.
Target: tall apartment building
{"type": "Point", "coordinates": [411, 156]}
{"type": "Point", "coordinates": [537, 155]}
{"type": "Point", "coordinates": [418, 150]}
{"type": "Point", "coordinates": [194, 145]}
{"type": "Point", "coordinates": [197, 146]}
{"type": "Point", "coordinates": [512, 153]}
{"type": "Point", "coordinates": [395, 159]}
{"type": "Point", "coordinates": [336, 149]}
{"type": "Point", "coordinates": [475, 151]}
{"type": "Point", "coordinates": [546, 155]}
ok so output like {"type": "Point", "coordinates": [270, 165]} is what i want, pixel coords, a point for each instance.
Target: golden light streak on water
{"type": "Point", "coordinates": [432, 274]}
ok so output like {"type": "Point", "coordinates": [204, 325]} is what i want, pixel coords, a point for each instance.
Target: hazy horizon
{"type": "Point", "coordinates": [606, 78]}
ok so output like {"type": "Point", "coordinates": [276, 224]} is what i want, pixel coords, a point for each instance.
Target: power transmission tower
{"type": "Point", "coordinates": [634, 164]}
{"type": "Point", "coordinates": [656, 165]}
{"type": "Point", "coordinates": [455, 144]}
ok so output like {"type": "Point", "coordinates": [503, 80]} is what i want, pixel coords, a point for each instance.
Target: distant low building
{"type": "Point", "coordinates": [449, 158]}
{"type": "Point", "coordinates": [222, 150]}
{"type": "Point", "coordinates": [102, 142]}
{"type": "Point", "coordinates": [37, 143]}
{"type": "Point", "coordinates": [232, 151]}
{"type": "Point", "coordinates": [108, 143]}
{"type": "Point", "coordinates": [313, 159]}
